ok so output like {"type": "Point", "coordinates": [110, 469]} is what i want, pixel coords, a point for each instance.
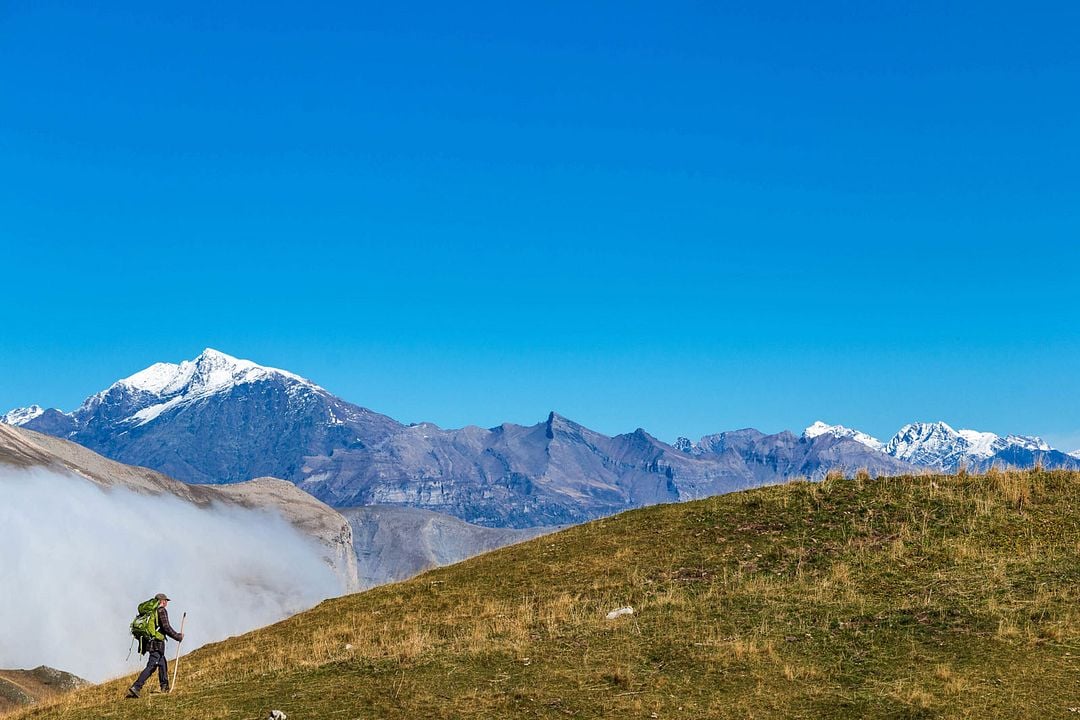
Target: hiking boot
{"type": "Point", "coordinates": [133, 692]}
{"type": "Point", "coordinates": [165, 689]}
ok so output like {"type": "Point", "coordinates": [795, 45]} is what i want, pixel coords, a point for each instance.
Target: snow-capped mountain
{"type": "Point", "coordinates": [214, 419]}
{"type": "Point", "coordinates": [937, 446]}
{"type": "Point", "coordinates": [934, 445]}
{"type": "Point", "coordinates": [839, 431]}
{"type": "Point", "coordinates": [21, 416]}
{"type": "Point", "coordinates": [138, 399]}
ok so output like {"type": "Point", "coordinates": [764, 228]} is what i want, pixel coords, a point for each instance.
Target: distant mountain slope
{"type": "Point", "coordinates": [785, 455]}
{"type": "Point", "coordinates": [552, 473]}
{"type": "Point", "coordinates": [218, 419]}
{"type": "Point", "coordinates": [819, 428]}
{"type": "Point", "coordinates": [23, 448]}
{"type": "Point", "coordinates": [917, 597]}
{"type": "Point", "coordinates": [395, 543]}
{"type": "Point", "coordinates": [559, 472]}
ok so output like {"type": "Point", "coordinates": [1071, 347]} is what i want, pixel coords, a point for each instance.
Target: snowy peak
{"type": "Point", "coordinates": [21, 416]}
{"type": "Point", "coordinates": [1027, 442]}
{"type": "Point", "coordinates": [159, 379]}
{"type": "Point", "coordinates": [929, 444]}
{"type": "Point", "coordinates": [839, 431]}
{"type": "Point", "coordinates": [141, 397]}
{"type": "Point", "coordinates": [982, 445]}
{"type": "Point", "coordinates": [210, 371]}
{"type": "Point", "coordinates": [938, 446]}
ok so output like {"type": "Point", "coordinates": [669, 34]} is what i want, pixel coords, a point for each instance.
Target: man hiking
{"type": "Point", "coordinates": [156, 649]}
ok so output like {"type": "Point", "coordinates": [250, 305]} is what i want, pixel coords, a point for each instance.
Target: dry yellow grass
{"type": "Point", "coordinates": [903, 597]}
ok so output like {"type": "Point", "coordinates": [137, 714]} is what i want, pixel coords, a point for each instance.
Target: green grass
{"type": "Point", "coordinates": [917, 597]}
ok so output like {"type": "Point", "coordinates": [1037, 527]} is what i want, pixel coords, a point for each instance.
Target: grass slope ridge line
{"type": "Point", "coordinates": [912, 597]}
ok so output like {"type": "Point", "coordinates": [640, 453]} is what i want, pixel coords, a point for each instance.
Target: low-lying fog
{"type": "Point", "coordinates": [75, 560]}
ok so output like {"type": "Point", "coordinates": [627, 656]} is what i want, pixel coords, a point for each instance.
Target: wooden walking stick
{"type": "Point", "coordinates": [176, 661]}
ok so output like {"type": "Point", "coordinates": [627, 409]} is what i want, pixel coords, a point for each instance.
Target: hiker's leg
{"type": "Point", "coordinates": [151, 664]}
{"type": "Point", "coordinates": [163, 673]}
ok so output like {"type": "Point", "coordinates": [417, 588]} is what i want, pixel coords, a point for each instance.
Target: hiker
{"type": "Point", "coordinates": [156, 648]}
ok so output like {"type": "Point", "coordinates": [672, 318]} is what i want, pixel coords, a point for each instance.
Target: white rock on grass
{"type": "Point", "coordinates": [620, 612]}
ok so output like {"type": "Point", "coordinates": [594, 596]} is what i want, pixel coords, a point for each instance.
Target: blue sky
{"type": "Point", "coordinates": [687, 217]}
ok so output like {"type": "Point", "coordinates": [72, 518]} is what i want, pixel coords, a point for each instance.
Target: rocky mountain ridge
{"type": "Point", "coordinates": [219, 419]}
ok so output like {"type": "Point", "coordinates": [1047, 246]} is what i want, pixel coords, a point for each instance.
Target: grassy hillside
{"type": "Point", "coordinates": [900, 598]}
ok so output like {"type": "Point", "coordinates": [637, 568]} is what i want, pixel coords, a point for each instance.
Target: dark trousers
{"type": "Point", "coordinates": [156, 660]}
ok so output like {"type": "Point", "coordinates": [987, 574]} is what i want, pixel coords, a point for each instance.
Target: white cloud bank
{"type": "Point", "coordinates": [76, 559]}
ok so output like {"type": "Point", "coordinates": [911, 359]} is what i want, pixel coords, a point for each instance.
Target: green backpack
{"type": "Point", "coordinates": [145, 625]}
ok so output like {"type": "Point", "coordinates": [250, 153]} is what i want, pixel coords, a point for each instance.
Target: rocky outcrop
{"type": "Point", "coordinates": [19, 688]}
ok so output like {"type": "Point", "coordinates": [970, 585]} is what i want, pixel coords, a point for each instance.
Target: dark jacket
{"type": "Point", "coordinates": [164, 626]}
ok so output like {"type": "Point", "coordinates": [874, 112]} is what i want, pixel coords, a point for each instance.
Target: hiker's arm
{"type": "Point", "coordinates": [166, 628]}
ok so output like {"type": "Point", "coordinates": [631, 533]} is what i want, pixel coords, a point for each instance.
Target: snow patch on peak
{"type": "Point", "coordinates": [839, 431]}
{"type": "Point", "coordinates": [21, 416]}
{"type": "Point", "coordinates": [684, 444]}
{"type": "Point", "coordinates": [1028, 442]}
{"type": "Point", "coordinates": [212, 354]}
{"type": "Point", "coordinates": [1075, 454]}
{"type": "Point", "coordinates": [159, 378]}
{"type": "Point", "coordinates": [981, 444]}
{"type": "Point", "coordinates": [211, 372]}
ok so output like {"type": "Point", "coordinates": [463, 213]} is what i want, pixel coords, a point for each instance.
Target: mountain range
{"type": "Point", "coordinates": [937, 446]}
{"type": "Point", "coordinates": [219, 419]}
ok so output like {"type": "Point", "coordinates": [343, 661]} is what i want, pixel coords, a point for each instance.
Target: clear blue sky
{"type": "Point", "coordinates": [688, 217]}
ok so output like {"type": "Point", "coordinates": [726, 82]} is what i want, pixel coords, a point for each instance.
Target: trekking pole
{"type": "Point", "coordinates": [176, 661]}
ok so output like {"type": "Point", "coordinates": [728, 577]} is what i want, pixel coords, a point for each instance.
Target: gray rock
{"type": "Point", "coordinates": [19, 688]}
